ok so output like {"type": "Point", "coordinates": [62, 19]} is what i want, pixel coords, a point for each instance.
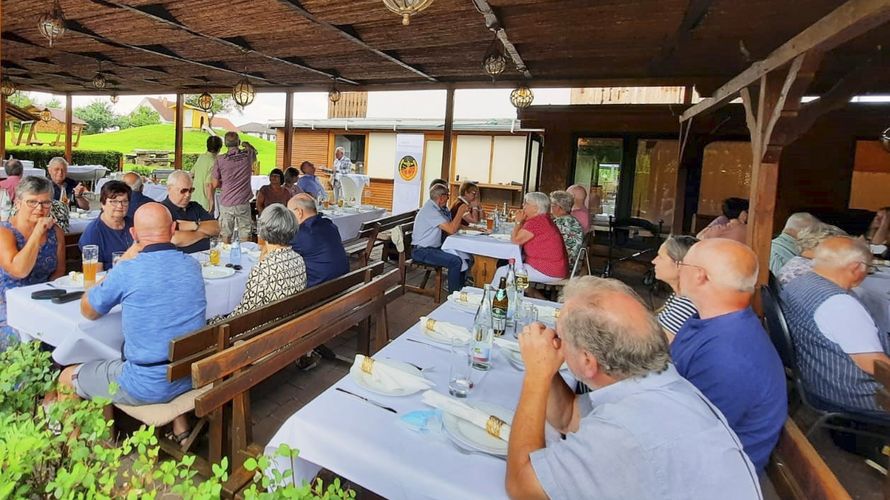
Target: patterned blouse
{"type": "Point", "coordinates": [573, 235]}
{"type": "Point", "coordinates": [279, 274]}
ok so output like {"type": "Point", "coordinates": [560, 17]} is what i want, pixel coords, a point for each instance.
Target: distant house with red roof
{"type": "Point", "coordinates": [193, 117]}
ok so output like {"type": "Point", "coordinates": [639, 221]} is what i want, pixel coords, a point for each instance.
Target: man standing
{"type": "Point", "coordinates": [318, 242]}
{"type": "Point", "coordinates": [429, 224]}
{"type": "Point", "coordinates": [784, 246]}
{"type": "Point", "coordinates": [66, 190]}
{"type": "Point", "coordinates": [194, 225]}
{"type": "Point", "coordinates": [137, 199]}
{"type": "Point", "coordinates": [342, 166]}
{"type": "Point", "coordinates": [645, 432]}
{"type": "Point", "coordinates": [724, 350]}
{"type": "Point", "coordinates": [232, 173]}
{"type": "Point", "coordinates": [309, 183]}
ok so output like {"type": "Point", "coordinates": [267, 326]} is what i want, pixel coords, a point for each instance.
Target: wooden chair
{"type": "Point", "coordinates": [798, 472]}
{"type": "Point", "coordinates": [406, 261]}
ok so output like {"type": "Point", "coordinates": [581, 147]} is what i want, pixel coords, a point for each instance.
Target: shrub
{"type": "Point", "coordinates": [41, 156]}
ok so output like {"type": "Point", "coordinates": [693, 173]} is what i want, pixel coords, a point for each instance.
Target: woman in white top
{"type": "Point", "coordinates": [677, 309]}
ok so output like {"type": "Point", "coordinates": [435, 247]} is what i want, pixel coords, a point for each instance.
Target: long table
{"type": "Point", "coordinates": [79, 340]}
{"type": "Point", "coordinates": [481, 244]}
{"type": "Point", "coordinates": [349, 220]}
{"type": "Point", "coordinates": [371, 447]}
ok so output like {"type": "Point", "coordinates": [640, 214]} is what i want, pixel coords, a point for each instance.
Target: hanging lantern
{"type": "Point", "coordinates": [114, 98]}
{"type": "Point", "coordinates": [406, 8]}
{"type": "Point", "coordinates": [334, 95]}
{"type": "Point", "coordinates": [885, 139]}
{"type": "Point", "coordinates": [7, 87]}
{"type": "Point", "coordinates": [205, 101]}
{"type": "Point", "coordinates": [99, 81]}
{"type": "Point", "coordinates": [52, 24]}
{"type": "Point", "coordinates": [495, 62]}
{"type": "Point", "coordinates": [46, 115]}
{"type": "Point", "coordinates": [243, 92]}
{"type": "Point", "coordinates": [522, 97]}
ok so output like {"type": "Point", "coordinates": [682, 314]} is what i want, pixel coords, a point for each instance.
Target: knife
{"type": "Point", "coordinates": [375, 403]}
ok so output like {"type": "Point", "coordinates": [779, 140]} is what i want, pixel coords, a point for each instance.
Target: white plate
{"type": "Point", "coordinates": [470, 232]}
{"type": "Point", "coordinates": [69, 284]}
{"type": "Point", "coordinates": [466, 306]}
{"type": "Point", "coordinates": [878, 249]}
{"type": "Point", "coordinates": [472, 436]}
{"type": "Point", "coordinates": [501, 237]}
{"type": "Point", "coordinates": [438, 337]}
{"type": "Point", "coordinates": [366, 382]}
{"type": "Point", "coordinates": [216, 272]}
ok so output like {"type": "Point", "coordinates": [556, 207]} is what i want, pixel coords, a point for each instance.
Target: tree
{"type": "Point", "coordinates": [222, 103]}
{"type": "Point", "coordinates": [20, 99]}
{"type": "Point", "coordinates": [98, 115]}
{"type": "Point", "coordinates": [139, 117]}
{"type": "Point", "coordinates": [53, 103]}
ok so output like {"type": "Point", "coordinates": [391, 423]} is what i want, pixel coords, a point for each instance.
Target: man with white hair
{"type": "Point", "coordinates": [784, 246]}
{"type": "Point", "coordinates": [724, 350]}
{"type": "Point", "coordinates": [342, 166]}
{"type": "Point", "coordinates": [429, 224]}
{"type": "Point", "coordinates": [317, 241]}
{"type": "Point", "coordinates": [194, 225]}
{"type": "Point", "coordinates": [65, 188]}
{"type": "Point", "coordinates": [137, 199]}
{"type": "Point", "coordinates": [835, 338]}
{"type": "Point", "coordinates": [645, 432]}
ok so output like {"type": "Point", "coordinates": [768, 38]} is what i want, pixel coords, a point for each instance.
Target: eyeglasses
{"type": "Point", "coordinates": [680, 264]}
{"type": "Point", "coordinates": [119, 203]}
{"type": "Point", "coordinates": [32, 204]}
{"type": "Point", "coordinates": [187, 190]}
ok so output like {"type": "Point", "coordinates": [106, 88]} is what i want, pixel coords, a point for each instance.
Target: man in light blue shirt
{"type": "Point", "coordinates": [429, 223]}
{"type": "Point", "coordinates": [644, 432]}
{"type": "Point", "coordinates": [784, 246]}
{"type": "Point", "coordinates": [309, 182]}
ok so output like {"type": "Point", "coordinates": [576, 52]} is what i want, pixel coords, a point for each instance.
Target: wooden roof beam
{"type": "Point", "coordinates": [494, 24]}
{"type": "Point", "coordinates": [159, 14]}
{"type": "Point", "coordinates": [350, 35]}
{"type": "Point", "coordinates": [696, 12]}
{"type": "Point", "coordinates": [851, 19]}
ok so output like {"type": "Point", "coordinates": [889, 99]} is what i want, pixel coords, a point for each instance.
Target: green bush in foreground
{"type": "Point", "coordinates": [66, 450]}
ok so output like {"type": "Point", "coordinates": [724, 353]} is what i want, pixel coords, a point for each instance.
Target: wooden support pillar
{"type": "Point", "coordinates": [288, 144]}
{"type": "Point", "coordinates": [69, 118]}
{"type": "Point", "coordinates": [446, 140]}
{"type": "Point", "coordinates": [2, 126]}
{"type": "Point", "coordinates": [177, 146]}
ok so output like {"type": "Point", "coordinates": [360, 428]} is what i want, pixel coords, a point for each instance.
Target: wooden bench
{"type": "Point", "coordinates": [374, 233]}
{"type": "Point", "coordinates": [235, 370]}
{"type": "Point", "coordinates": [798, 472]}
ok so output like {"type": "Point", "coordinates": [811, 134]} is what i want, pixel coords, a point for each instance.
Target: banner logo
{"type": "Point", "coordinates": [408, 168]}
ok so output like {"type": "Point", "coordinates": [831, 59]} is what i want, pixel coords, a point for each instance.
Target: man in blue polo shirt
{"type": "Point", "coordinates": [724, 350]}
{"type": "Point", "coordinates": [194, 225]}
{"type": "Point", "coordinates": [318, 242]}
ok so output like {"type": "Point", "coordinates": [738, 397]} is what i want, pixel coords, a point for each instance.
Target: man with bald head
{"type": "Point", "coordinates": [724, 350]}
{"type": "Point", "coordinates": [318, 242]}
{"type": "Point", "coordinates": [161, 294]}
{"type": "Point", "coordinates": [835, 338]}
{"type": "Point", "coordinates": [137, 199]}
{"type": "Point", "coordinates": [645, 432]}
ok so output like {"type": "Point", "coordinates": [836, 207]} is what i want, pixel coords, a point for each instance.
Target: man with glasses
{"type": "Point", "coordinates": [194, 225]}
{"type": "Point", "coordinates": [724, 351]}
{"type": "Point", "coordinates": [429, 225]}
{"type": "Point", "coordinates": [835, 337]}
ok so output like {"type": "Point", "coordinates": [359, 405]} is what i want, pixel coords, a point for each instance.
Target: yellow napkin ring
{"type": "Point", "coordinates": [464, 297]}
{"type": "Point", "coordinates": [431, 324]}
{"type": "Point", "coordinates": [493, 426]}
{"type": "Point", "coordinates": [367, 365]}
{"type": "Point", "coordinates": [556, 313]}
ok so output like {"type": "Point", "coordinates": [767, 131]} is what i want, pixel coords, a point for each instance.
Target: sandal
{"type": "Point", "coordinates": [180, 438]}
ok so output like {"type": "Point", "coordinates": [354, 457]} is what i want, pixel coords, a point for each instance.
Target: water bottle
{"type": "Point", "coordinates": [511, 289]}
{"type": "Point", "coordinates": [235, 252]}
{"type": "Point", "coordinates": [483, 333]}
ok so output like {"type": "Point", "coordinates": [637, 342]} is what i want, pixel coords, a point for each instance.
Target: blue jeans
{"type": "Point", "coordinates": [436, 257]}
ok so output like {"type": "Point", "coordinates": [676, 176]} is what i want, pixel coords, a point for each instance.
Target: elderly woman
{"type": "Point", "coordinates": [677, 309]}
{"type": "Point", "coordinates": [468, 195]}
{"type": "Point", "coordinates": [807, 241]}
{"type": "Point", "coordinates": [14, 171]}
{"type": "Point", "coordinates": [111, 231]}
{"type": "Point", "coordinates": [280, 271]}
{"type": "Point", "coordinates": [543, 251]}
{"type": "Point", "coordinates": [274, 192]}
{"type": "Point", "coordinates": [32, 246]}
{"type": "Point", "coordinates": [580, 209]}
{"type": "Point", "coordinates": [561, 203]}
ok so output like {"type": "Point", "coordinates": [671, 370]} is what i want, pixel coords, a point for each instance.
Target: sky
{"type": "Point", "coordinates": [468, 104]}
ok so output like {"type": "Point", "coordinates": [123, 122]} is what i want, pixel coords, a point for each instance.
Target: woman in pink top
{"type": "Point", "coordinates": [543, 249]}
{"type": "Point", "coordinates": [580, 209]}
{"type": "Point", "coordinates": [14, 171]}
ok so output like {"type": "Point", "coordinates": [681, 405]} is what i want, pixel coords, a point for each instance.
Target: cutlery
{"type": "Point", "coordinates": [375, 403]}
{"type": "Point", "coordinates": [466, 451]}
{"type": "Point", "coordinates": [54, 287]}
{"type": "Point", "coordinates": [422, 369]}
{"type": "Point", "coordinates": [430, 345]}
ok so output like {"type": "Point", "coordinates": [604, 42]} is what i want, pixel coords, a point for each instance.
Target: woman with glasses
{"type": "Point", "coordinates": [32, 246]}
{"type": "Point", "coordinates": [111, 231]}
{"type": "Point", "coordinates": [677, 309]}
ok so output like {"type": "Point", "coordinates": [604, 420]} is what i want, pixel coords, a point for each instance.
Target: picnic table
{"type": "Point", "coordinates": [150, 157]}
{"type": "Point", "coordinates": [371, 447]}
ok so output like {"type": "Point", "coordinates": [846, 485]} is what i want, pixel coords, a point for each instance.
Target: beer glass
{"type": "Point", "coordinates": [214, 251]}
{"type": "Point", "coordinates": [115, 257]}
{"type": "Point", "coordinates": [90, 255]}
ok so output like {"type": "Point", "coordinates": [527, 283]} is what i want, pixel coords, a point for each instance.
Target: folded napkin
{"type": "Point", "coordinates": [510, 345]}
{"type": "Point", "coordinates": [470, 299]}
{"type": "Point", "coordinates": [446, 330]}
{"type": "Point", "coordinates": [547, 312]}
{"type": "Point", "coordinates": [388, 377]}
{"type": "Point", "coordinates": [493, 425]}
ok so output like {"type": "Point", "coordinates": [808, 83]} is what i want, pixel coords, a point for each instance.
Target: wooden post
{"type": "Point", "coordinates": [69, 118]}
{"type": "Point", "coordinates": [2, 126]}
{"type": "Point", "coordinates": [446, 140]}
{"type": "Point", "coordinates": [288, 145]}
{"type": "Point", "coordinates": [177, 146]}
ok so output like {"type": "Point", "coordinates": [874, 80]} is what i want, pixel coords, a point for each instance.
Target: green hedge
{"type": "Point", "coordinates": [40, 156]}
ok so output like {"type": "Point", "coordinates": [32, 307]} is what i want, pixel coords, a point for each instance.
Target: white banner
{"type": "Point", "coordinates": [408, 175]}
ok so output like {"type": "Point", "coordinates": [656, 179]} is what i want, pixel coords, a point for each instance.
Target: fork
{"type": "Point", "coordinates": [422, 369]}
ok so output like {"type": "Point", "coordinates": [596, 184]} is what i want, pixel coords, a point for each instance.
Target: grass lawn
{"type": "Point", "coordinates": [160, 137]}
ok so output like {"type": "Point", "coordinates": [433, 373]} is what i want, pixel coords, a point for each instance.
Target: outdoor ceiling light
{"type": "Point", "coordinates": [205, 101]}
{"type": "Point", "coordinates": [885, 139]}
{"type": "Point", "coordinates": [114, 98]}
{"type": "Point", "coordinates": [406, 8]}
{"type": "Point", "coordinates": [522, 97]}
{"type": "Point", "coordinates": [243, 92]}
{"type": "Point", "coordinates": [46, 115]}
{"type": "Point", "coordinates": [334, 94]}
{"type": "Point", "coordinates": [99, 81]}
{"type": "Point", "coordinates": [494, 63]}
{"type": "Point", "coordinates": [7, 87]}
{"type": "Point", "coordinates": [52, 24]}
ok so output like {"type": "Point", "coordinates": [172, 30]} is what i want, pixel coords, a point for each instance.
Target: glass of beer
{"type": "Point", "coordinates": [340, 203]}
{"type": "Point", "coordinates": [90, 255]}
{"type": "Point", "coordinates": [489, 221]}
{"type": "Point", "coordinates": [214, 251]}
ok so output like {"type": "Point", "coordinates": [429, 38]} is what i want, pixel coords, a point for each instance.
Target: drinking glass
{"type": "Point", "coordinates": [526, 314]}
{"type": "Point", "coordinates": [214, 251]}
{"type": "Point", "coordinates": [459, 379]}
{"type": "Point", "coordinates": [115, 257]}
{"type": "Point", "coordinates": [90, 255]}
{"type": "Point", "coordinates": [521, 279]}
{"type": "Point", "coordinates": [489, 222]}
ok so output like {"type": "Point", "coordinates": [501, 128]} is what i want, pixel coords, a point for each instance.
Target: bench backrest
{"type": "Point", "coordinates": [797, 471]}
{"type": "Point", "coordinates": [372, 228]}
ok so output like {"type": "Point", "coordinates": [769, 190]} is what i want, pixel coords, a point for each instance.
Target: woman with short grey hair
{"type": "Point", "coordinates": [676, 309]}
{"type": "Point", "coordinates": [280, 272]}
{"type": "Point", "coordinates": [32, 246]}
{"type": "Point", "coordinates": [807, 240]}
{"type": "Point", "coordinates": [561, 203]}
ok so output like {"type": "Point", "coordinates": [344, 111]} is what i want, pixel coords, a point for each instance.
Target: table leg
{"type": "Point", "coordinates": [483, 270]}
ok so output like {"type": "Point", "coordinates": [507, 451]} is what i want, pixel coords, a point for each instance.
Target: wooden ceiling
{"type": "Point", "coordinates": [161, 46]}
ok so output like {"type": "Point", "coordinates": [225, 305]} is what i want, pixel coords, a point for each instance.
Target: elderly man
{"type": "Point", "coordinates": [318, 242]}
{"type": "Point", "coordinates": [232, 172]}
{"type": "Point", "coordinates": [784, 246]}
{"type": "Point", "coordinates": [309, 182]}
{"type": "Point", "coordinates": [836, 340]}
{"type": "Point", "coordinates": [429, 224]}
{"type": "Point", "coordinates": [342, 166]}
{"type": "Point", "coordinates": [137, 199]}
{"type": "Point", "coordinates": [156, 309]}
{"type": "Point", "coordinates": [14, 171]}
{"type": "Point", "coordinates": [66, 190]}
{"type": "Point", "coordinates": [645, 432]}
{"type": "Point", "coordinates": [724, 350]}
{"type": "Point", "coordinates": [194, 225]}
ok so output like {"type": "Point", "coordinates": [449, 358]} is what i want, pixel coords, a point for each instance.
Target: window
{"type": "Point", "coordinates": [725, 172]}
{"type": "Point", "coordinates": [598, 164]}
{"type": "Point", "coordinates": [353, 145]}
{"type": "Point", "coordinates": [655, 181]}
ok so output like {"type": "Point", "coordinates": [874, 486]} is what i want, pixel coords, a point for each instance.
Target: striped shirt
{"type": "Point", "coordinates": [676, 310]}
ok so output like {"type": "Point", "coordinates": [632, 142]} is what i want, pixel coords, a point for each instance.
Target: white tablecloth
{"type": "Point", "coordinates": [156, 192]}
{"type": "Point", "coordinates": [483, 245]}
{"type": "Point", "coordinates": [79, 340]}
{"type": "Point", "coordinates": [370, 447]}
{"type": "Point", "coordinates": [36, 172]}
{"type": "Point", "coordinates": [874, 292]}
{"type": "Point", "coordinates": [77, 225]}
{"type": "Point", "coordinates": [86, 172]}
{"type": "Point", "coordinates": [349, 223]}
